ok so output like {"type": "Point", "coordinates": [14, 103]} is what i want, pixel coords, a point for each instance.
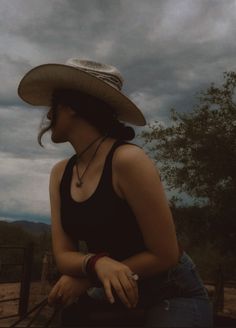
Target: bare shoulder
{"type": "Point", "coordinates": [131, 157]}
{"type": "Point", "coordinates": [128, 152]}
{"type": "Point", "coordinates": [134, 170]}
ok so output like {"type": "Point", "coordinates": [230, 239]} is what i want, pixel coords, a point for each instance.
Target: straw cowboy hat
{"type": "Point", "coordinates": [95, 79]}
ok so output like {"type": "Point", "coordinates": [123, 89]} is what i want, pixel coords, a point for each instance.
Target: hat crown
{"type": "Point", "coordinates": [107, 73]}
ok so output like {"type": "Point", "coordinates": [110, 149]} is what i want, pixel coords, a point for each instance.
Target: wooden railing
{"type": "Point", "coordinates": [24, 278]}
{"type": "Point", "coordinates": [136, 318]}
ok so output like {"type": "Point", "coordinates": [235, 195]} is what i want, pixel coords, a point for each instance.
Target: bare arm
{"type": "Point", "coordinates": [68, 259]}
{"type": "Point", "coordinates": [138, 181]}
{"type": "Point", "coordinates": [140, 185]}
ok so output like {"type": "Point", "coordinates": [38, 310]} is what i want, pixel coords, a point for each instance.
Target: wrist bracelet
{"type": "Point", "coordinates": [90, 269]}
{"type": "Point", "coordinates": [85, 261]}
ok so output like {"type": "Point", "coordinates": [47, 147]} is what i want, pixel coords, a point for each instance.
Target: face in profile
{"type": "Point", "coordinates": [61, 123]}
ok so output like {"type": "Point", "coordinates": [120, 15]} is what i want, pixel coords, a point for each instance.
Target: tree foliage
{"type": "Point", "coordinates": [197, 154]}
{"type": "Point", "coordinates": [198, 151]}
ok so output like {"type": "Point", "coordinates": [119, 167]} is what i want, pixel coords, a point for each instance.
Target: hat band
{"type": "Point", "coordinates": [114, 81]}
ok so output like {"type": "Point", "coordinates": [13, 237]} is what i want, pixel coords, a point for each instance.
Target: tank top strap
{"type": "Point", "coordinates": [66, 177]}
{"type": "Point", "coordinates": [116, 144]}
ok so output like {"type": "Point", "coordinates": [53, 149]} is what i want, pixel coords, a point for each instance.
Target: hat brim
{"type": "Point", "coordinates": [37, 86]}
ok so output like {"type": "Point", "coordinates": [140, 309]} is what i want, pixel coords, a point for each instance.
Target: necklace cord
{"type": "Point", "coordinates": [79, 183]}
{"type": "Point", "coordinates": [87, 147]}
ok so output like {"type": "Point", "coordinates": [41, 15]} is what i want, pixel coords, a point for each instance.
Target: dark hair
{"type": "Point", "coordinates": [93, 110]}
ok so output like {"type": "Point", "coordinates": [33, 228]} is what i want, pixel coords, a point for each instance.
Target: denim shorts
{"type": "Point", "coordinates": [175, 298]}
{"type": "Point", "coordinates": [181, 301]}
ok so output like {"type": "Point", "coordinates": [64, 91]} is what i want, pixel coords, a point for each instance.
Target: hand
{"type": "Point", "coordinates": [119, 276]}
{"type": "Point", "coordinates": [67, 290]}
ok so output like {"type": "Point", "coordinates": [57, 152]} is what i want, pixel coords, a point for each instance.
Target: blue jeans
{"type": "Point", "coordinates": [187, 304]}
{"type": "Point", "coordinates": [176, 298]}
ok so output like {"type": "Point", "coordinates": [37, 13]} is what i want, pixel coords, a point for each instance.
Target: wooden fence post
{"type": "Point", "coordinates": [46, 271]}
{"type": "Point", "coordinates": [218, 301]}
{"type": "Point", "coordinates": [26, 279]}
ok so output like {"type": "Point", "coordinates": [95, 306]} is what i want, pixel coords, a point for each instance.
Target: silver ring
{"type": "Point", "coordinates": [134, 276]}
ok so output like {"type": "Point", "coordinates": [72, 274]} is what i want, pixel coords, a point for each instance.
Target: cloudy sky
{"type": "Point", "coordinates": [167, 51]}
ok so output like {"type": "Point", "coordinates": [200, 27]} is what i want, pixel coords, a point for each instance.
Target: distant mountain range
{"type": "Point", "coordinates": [34, 228]}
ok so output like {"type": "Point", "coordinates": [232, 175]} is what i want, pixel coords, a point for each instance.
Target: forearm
{"type": "Point", "coordinates": [70, 263]}
{"type": "Point", "coordinates": [147, 264]}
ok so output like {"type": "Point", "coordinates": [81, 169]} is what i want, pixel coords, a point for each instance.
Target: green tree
{"type": "Point", "coordinates": [197, 154]}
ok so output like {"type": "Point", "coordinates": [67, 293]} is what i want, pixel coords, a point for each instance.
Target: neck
{"type": "Point", "coordinates": [81, 138]}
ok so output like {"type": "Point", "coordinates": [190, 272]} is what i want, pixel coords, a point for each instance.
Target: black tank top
{"type": "Point", "coordinates": [104, 221]}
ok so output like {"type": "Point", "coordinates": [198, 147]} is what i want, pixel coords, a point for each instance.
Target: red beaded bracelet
{"type": "Point", "coordinates": [90, 269]}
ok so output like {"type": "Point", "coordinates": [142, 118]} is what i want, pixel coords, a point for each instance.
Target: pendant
{"type": "Point", "coordinates": [79, 184]}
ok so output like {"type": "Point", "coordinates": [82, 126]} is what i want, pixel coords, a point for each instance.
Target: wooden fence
{"type": "Point", "coordinates": [48, 267]}
{"type": "Point", "coordinates": [24, 278]}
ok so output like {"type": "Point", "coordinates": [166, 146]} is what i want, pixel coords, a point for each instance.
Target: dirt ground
{"type": "Point", "coordinates": [38, 292]}
{"type": "Point", "coordinates": [229, 300]}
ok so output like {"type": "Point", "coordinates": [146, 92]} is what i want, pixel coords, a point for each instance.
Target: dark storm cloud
{"type": "Point", "coordinates": [162, 47]}
{"type": "Point", "coordinates": [167, 51]}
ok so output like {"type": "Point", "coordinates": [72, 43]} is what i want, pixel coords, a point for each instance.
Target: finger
{"type": "Point", "coordinates": [70, 301]}
{"type": "Point", "coordinates": [66, 302]}
{"type": "Point", "coordinates": [116, 284]}
{"type": "Point", "coordinates": [59, 297]}
{"type": "Point", "coordinates": [130, 288]}
{"type": "Point", "coordinates": [53, 295]}
{"type": "Point", "coordinates": [135, 290]}
{"type": "Point", "coordinates": [133, 277]}
{"type": "Point", "coordinates": [108, 291]}
{"type": "Point", "coordinates": [134, 284]}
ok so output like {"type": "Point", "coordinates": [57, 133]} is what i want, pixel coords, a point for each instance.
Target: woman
{"type": "Point", "coordinates": [109, 195]}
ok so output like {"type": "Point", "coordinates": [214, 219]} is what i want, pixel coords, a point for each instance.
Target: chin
{"type": "Point", "coordinates": [57, 139]}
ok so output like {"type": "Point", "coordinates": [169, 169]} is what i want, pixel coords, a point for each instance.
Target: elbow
{"type": "Point", "coordinates": [172, 258]}
{"type": "Point", "coordinates": [167, 260]}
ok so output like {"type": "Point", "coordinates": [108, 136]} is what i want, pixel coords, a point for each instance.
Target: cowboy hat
{"type": "Point", "coordinates": [95, 79]}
